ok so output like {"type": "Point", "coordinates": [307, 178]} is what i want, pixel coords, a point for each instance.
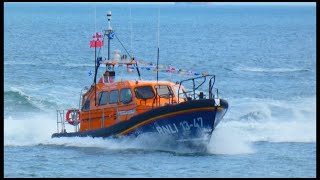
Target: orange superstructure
{"type": "Point", "coordinates": [119, 101]}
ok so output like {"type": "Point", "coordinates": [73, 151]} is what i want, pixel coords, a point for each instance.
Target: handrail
{"type": "Point", "coordinates": [211, 86]}
{"type": "Point", "coordinates": [194, 87]}
{"type": "Point", "coordinates": [61, 117]}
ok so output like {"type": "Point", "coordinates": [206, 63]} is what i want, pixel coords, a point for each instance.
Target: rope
{"type": "Point", "coordinates": [124, 49]}
{"type": "Point", "coordinates": [129, 55]}
{"type": "Point", "coordinates": [122, 44]}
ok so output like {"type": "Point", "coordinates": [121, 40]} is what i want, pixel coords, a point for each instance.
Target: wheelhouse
{"type": "Point", "coordinates": [119, 101]}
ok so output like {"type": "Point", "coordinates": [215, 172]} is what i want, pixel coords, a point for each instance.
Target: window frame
{"type": "Point", "coordinates": [86, 105]}
{"type": "Point", "coordinates": [169, 89]}
{"type": "Point", "coordinates": [107, 98]}
{"type": "Point", "coordinates": [135, 93]}
{"type": "Point", "coordinates": [117, 96]}
{"type": "Point", "coordinates": [131, 99]}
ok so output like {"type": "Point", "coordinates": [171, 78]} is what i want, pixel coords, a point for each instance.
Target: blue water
{"type": "Point", "coordinates": [264, 58]}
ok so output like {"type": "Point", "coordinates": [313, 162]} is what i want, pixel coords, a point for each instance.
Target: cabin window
{"type": "Point", "coordinates": [125, 96]}
{"type": "Point", "coordinates": [86, 105]}
{"type": "Point", "coordinates": [164, 91]}
{"type": "Point", "coordinates": [103, 98]}
{"type": "Point", "coordinates": [113, 97]}
{"type": "Point", "coordinates": [144, 92]}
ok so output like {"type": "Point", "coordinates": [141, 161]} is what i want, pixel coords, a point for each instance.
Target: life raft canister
{"type": "Point", "coordinates": [73, 116]}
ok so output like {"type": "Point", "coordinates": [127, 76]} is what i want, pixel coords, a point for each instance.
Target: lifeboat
{"type": "Point", "coordinates": [116, 108]}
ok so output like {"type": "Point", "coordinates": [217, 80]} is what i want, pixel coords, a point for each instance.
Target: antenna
{"type": "Point", "coordinates": [158, 46]}
{"type": "Point", "coordinates": [130, 32]}
{"type": "Point", "coordinates": [109, 31]}
{"type": "Point", "coordinates": [158, 24]}
{"type": "Point", "coordinates": [95, 17]}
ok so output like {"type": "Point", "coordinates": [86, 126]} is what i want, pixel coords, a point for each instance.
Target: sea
{"type": "Point", "coordinates": [263, 57]}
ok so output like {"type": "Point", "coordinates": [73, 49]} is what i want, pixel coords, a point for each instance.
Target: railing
{"type": "Point", "coordinates": [61, 120]}
{"type": "Point", "coordinates": [61, 116]}
{"type": "Point", "coordinates": [196, 87]}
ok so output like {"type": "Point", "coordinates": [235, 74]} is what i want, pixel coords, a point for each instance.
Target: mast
{"type": "Point", "coordinates": [109, 30]}
{"type": "Point", "coordinates": [110, 73]}
{"type": "Point", "coordinates": [95, 57]}
{"type": "Point", "coordinates": [158, 46]}
{"type": "Point", "coordinates": [130, 32]}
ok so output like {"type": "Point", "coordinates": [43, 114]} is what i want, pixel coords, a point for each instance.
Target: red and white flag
{"type": "Point", "coordinates": [96, 42]}
{"type": "Point", "coordinates": [97, 35]}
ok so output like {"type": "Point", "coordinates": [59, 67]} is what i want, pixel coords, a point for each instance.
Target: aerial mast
{"type": "Point", "coordinates": [108, 32]}
{"type": "Point", "coordinates": [109, 74]}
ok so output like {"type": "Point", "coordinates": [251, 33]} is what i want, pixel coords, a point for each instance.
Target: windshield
{"type": "Point", "coordinates": [164, 91]}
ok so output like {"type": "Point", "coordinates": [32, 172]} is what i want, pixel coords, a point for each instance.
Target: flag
{"type": "Point", "coordinates": [97, 35]}
{"type": "Point", "coordinates": [96, 42]}
{"type": "Point", "coordinates": [89, 72]}
{"type": "Point", "coordinates": [111, 35]}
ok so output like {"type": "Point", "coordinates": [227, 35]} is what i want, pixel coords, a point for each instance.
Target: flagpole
{"type": "Point", "coordinates": [158, 46]}
{"type": "Point", "coordinates": [95, 74]}
{"type": "Point", "coordinates": [95, 56]}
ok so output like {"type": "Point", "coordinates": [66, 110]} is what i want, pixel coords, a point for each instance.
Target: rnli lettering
{"type": "Point", "coordinates": [167, 129]}
{"type": "Point", "coordinates": [184, 125]}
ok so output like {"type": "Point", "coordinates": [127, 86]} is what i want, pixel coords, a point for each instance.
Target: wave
{"type": "Point", "coordinates": [21, 63]}
{"type": "Point", "coordinates": [251, 120]}
{"type": "Point", "coordinates": [78, 65]}
{"type": "Point", "coordinates": [247, 121]}
{"type": "Point", "coordinates": [268, 70]}
{"type": "Point", "coordinates": [16, 100]}
{"type": "Point", "coordinates": [49, 63]}
{"type": "Point", "coordinates": [38, 131]}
